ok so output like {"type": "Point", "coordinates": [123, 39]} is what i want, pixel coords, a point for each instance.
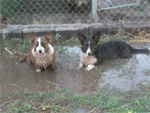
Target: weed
{"type": "Point", "coordinates": [147, 72]}
{"type": "Point", "coordinates": [121, 74]}
{"type": "Point", "coordinates": [147, 86]}
{"type": "Point", "coordinates": [66, 42]}
{"type": "Point", "coordinates": [97, 70]}
{"type": "Point", "coordinates": [60, 49]}
{"type": "Point", "coordinates": [11, 94]}
{"type": "Point", "coordinates": [4, 36]}
{"type": "Point", "coordinates": [18, 107]}
{"type": "Point", "coordinates": [15, 85]}
{"type": "Point", "coordinates": [57, 36]}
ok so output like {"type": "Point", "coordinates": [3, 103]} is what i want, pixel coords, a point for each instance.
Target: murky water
{"type": "Point", "coordinates": [130, 76]}
{"type": "Point", "coordinates": [124, 74]}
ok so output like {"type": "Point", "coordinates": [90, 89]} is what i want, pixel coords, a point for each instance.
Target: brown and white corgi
{"type": "Point", "coordinates": [42, 55]}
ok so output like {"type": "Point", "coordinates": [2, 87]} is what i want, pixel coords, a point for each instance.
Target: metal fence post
{"type": "Point", "coordinates": [94, 9]}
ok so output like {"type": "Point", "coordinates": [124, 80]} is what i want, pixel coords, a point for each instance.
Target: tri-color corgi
{"type": "Point", "coordinates": [94, 53]}
{"type": "Point", "coordinates": [42, 55]}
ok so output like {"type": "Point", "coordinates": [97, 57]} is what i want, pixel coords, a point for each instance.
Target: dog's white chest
{"type": "Point", "coordinates": [42, 60]}
{"type": "Point", "coordinates": [87, 60]}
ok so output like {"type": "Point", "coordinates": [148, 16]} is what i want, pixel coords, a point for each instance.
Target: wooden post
{"type": "Point", "coordinates": [94, 9]}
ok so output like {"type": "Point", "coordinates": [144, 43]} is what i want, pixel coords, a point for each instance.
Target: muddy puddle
{"type": "Point", "coordinates": [124, 74]}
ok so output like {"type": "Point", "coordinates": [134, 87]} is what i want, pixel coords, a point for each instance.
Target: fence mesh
{"type": "Point", "coordinates": [74, 11]}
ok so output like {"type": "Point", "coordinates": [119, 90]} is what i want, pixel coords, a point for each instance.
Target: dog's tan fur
{"type": "Point", "coordinates": [87, 60]}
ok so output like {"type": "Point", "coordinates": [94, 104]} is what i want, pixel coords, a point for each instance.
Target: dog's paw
{"type": "Point", "coordinates": [38, 70]}
{"type": "Point", "coordinates": [16, 63]}
{"type": "Point", "coordinates": [56, 70]}
{"type": "Point", "coordinates": [80, 66]}
{"type": "Point", "coordinates": [89, 67]}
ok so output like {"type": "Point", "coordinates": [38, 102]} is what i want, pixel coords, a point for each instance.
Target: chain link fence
{"type": "Point", "coordinates": [74, 11]}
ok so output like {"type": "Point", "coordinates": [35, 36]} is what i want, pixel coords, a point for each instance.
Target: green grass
{"type": "Point", "coordinates": [59, 41]}
{"type": "Point", "coordinates": [107, 38]}
{"type": "Point", "coordinates": [15, 47]}
{"type": "Point", "coordinates": [17, 107]}
{"type": "Point", "coordinates": [97, 70]}
{"type": "Point", "coordinates": [12, 8]}
{"type": "Point", "coordinates": [60, 100]}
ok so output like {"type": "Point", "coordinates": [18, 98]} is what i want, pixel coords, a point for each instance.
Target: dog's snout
{"type": "Point", "coordinates": [89, 54]}
{"type": "Point", "coordinates": [40, 51]}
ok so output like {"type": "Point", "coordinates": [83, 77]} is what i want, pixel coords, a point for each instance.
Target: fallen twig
{"type": "Point", "coordinates": [44, 107]}
{"type": "Point", "coordinates": [130, 34]}
{"type": "Point", "coordinates": [141, 33]}
{"type": "Point", "coordinates": [6, 103]}
{"type": "Point", "coordinates": [8, 51]}
{"type": "Point", "coordinates": [70, 66]}
{"type": "Point", "coordinates": [91, 110]}
{"type": "Point", "coordinates": [52, 83]}
{"type": "Point", "coordinates": [34, 107]}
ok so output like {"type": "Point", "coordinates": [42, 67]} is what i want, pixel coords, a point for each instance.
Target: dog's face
{"type": "Point", "coordinates": [40, 44]}
{"type": "Point", "coordinates": [89, 44]}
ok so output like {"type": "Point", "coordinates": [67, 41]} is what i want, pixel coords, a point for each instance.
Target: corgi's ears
{"type": "Point", "coordinates": [97, 36]}
{"type": "Point", "coordinates": [31, 38]}
{"type": "Point", "coordinates": [81, 37]}
{"type": "Point", "coordinates": [49, 36]}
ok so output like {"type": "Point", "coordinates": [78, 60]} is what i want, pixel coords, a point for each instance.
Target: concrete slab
{"type": "Point", "coordinates": [11, 31]}
{"type": "Point", "coordinates": [37, 30]}
{"type": "Point", "coordinates": [69, 30]}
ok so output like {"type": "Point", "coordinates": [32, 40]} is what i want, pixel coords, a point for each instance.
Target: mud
{"type": "Point", "coordinates": [123, 74]}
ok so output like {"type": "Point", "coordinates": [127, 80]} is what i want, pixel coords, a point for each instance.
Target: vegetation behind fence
{"type": "Point", "coordinates": [74, 11]}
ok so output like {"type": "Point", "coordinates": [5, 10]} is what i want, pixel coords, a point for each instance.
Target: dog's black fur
{"type": "Point", "coordinates": [115, 49]}
{"type": "Point", "coordinates": [109, 50]}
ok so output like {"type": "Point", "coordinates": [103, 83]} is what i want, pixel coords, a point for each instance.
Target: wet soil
{"type": "Point", "coordinates": [123, 74]}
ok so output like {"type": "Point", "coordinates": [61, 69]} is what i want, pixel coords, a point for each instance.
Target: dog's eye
{"type": "Point", "coordinates": [85, 46]}
{"type": "Point", "coordinates": [36, 44]}
{"type": "Point", "coordinates": [91, 45]}
{"type": "Point", "coordinates": [43, 44]}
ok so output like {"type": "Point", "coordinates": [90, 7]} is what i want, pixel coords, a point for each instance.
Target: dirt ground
{"type": "Point", "coordinates": [123, 74]}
